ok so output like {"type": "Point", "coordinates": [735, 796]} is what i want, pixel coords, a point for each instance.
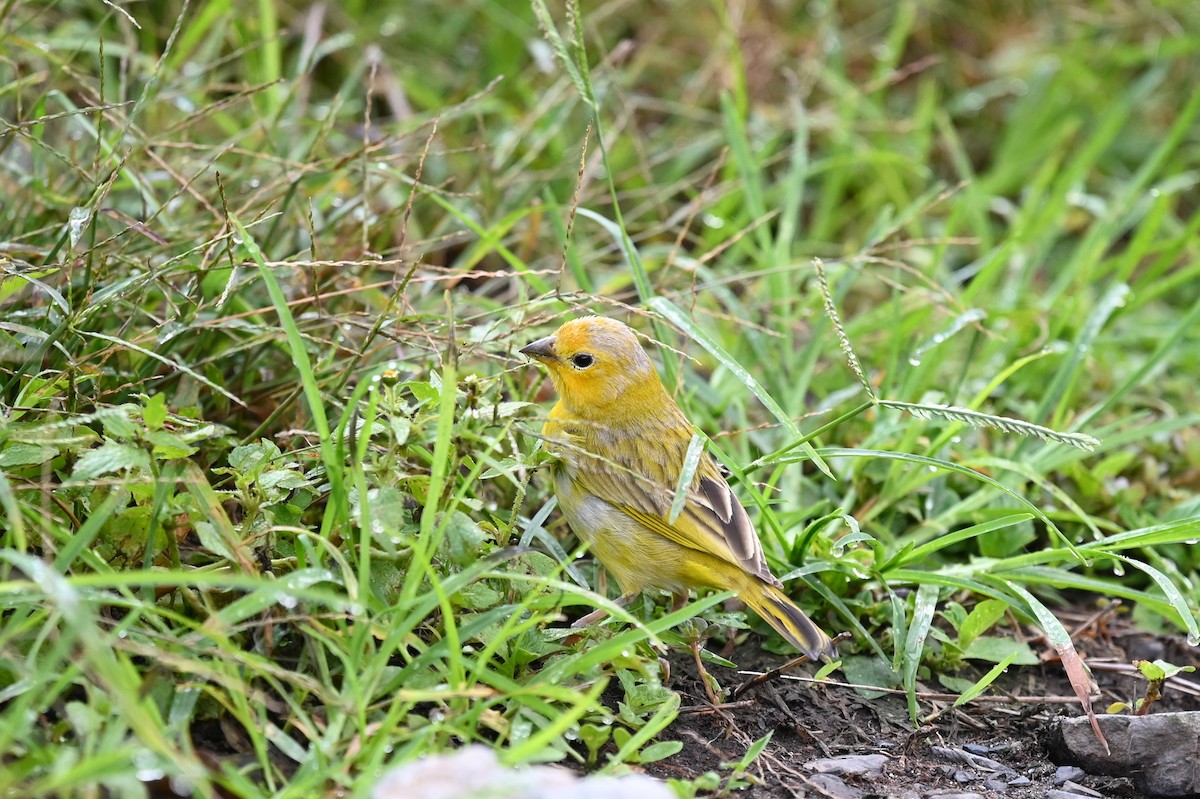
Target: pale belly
{"type": "Point", "coordinates": [637, 557]}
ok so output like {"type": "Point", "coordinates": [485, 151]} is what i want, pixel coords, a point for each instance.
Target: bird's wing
{"type": "Point", "coordinates": [712, 519]}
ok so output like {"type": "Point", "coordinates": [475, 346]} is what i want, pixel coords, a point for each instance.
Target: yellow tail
{"type": "Point", "coordinates": [788, 620]}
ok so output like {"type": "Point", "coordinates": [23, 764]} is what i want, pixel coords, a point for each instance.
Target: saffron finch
{"type": "Point", "coordinates": [621, 441]}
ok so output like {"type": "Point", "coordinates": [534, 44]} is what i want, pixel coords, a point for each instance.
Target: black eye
{"type": "Point", "coordinates": [582, 360]}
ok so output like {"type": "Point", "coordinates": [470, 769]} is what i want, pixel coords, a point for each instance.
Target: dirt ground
{"type": "Point", "coordinates": [820, 721]}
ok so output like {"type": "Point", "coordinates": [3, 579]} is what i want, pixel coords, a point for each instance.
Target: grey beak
{"type": "Point", "coordinates": [542, 349]}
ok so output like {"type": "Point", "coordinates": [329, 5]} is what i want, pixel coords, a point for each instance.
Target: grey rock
{"type": "Point", "coordinates": [969, 759]}
{"type": "Point", "coordinates": [832, 786]}
{"type": "Point", "coordinates": [866, 765]}
{"type": "Point", "coordinates": [943, 795]}
{"type": "Point", "coordinates": [978, 749]}
{"type": "Point", "coordinates": [995, 784]}
{"type": "Point", "coordinates": [1018, 782]}
{"type": "Point", "coordinates": [1064, 773]}
{"type": "Point", "coordinates": [1075, 787]}
{"type": "Point", "coordinates": [473, 772]}
{"type": "Point", "coordinates": [1058, 793]}
{"type": "Point", "coordinates": [1158, 751]}
{"type": "Point", "coordinates": [961, 776]}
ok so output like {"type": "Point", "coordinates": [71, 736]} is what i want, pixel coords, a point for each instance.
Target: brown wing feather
{"type": "Point", "coordinates": [712, 520]}
{"type": "Point", "coordinates": [739, 533]}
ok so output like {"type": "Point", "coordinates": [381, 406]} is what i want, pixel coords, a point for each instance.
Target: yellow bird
{"type": "Point", "coordinates": [620, 441]}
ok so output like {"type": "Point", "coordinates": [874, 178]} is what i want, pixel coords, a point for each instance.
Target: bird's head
{"type": "Point", "coordinates": [595, 364]}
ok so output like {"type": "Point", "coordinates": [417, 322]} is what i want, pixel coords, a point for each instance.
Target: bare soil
{"type": "Point", "coordinates": [811, 721]}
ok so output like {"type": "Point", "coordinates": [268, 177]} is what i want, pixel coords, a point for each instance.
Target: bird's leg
{"type": "Point", "coordinates": [706, 679]}
{"type": "Point", "coordinates": [599, 613]}
{"type": "Point", "coordinates": [678, 600]}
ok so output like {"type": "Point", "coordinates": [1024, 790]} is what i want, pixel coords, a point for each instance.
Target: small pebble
{"type": "Point", "coordinates": [964, 776]}
{"type": "Point", "coordinates": [1018, 782]}
{"type": "Point", "coordinates": [986, 749]}
{"type": "Point", "coordinates": [1075, 787]}
{"type": "Point", "coordinates": [993, 784]}
{"type": "Point", "coordinates": [1064, 773]}
{"type": "Point", "coordinates": [968, 759]}
{"type": "Point", "coordinates": [1058, 793]}
{"type": "Point", "coordinates": [869, 765]}
{"type": "Point", "coordinates": [832, 786]}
